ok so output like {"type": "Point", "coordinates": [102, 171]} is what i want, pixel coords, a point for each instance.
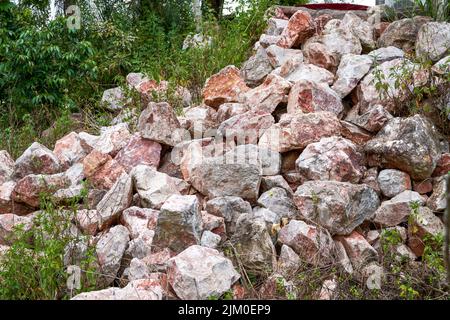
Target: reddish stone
{"type": "Point", "coordinates": [94, 161]}
{"type": "Point", "coordinates": [37, 159]}
{"type": "Point", "coordinates": [225, 86]}
{"type": "Point", "coordinates": [69, 150]}
{"type": "Point", "coordinates": [139, 151]}
{"type": "Point", "coordinates": [379, 28]}
{"type": "Point", "coordinates": [107, 175]}
{"type": "Point", "coordinates": [7, 205]}
{"type": "Point", "coordinates": [423, 187]}
{"type": "Point", "coordinates": [354, 133]}
{"type": "Point", "coordinates": [308, 96]}
{"type": "Point", "coordinates": [321, 21]}
{"type": "Point", "coordinates": [317, 53]}
{"type": "Point", "coordinates": [300, 27]}
{"type": "Point", "coordinates": [443, 165]}
{"type": "Point", "coordinates": [358, 250]}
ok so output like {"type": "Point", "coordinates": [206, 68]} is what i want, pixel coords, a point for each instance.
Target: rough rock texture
{"type": "Point", "coordinates": [115, 201]}
{"type": "Point", "coordinates": [138, 220]}
{"type": "Point", "coordinates": [312, 244]}
{"type": "Point", "coordinates": [256, 68]}
{"type": "Point", "coordinates": [278, 55]}
{"type": "Point", "coordinates": [142, 289]}
{"type": "Point", "coordinates": [360, 252]}
{"type": "Point", "coordinates": [8, 223]}
{"type": "Point", "coordinates": [268, 95]}
{"type": "Point", "coordinates": [112, 139]}
{"type": "Point", "coordinates": [309, 96]}
{"type": "Point", "coordinates": [250, 153]}
{"type": "Point", "coordinates": [159, 123]}
{"type": "Point", "coordinates": [402, 33]}
{"type": "Point", "coordinates": [386, 54]}
{"type": "Point", "coordinates": [437, 201]}
{"type": "Point", "coordinates": [424, 223]}
{"type": "Point", "coordinates": [153, 187]}
{"type": "Point", "coordinates": [114, 99]}
{"type": "Point", "coordinates": [6, 167]}
{"type": "Point", "coordinates": [253, 245]}
{"type": "Point", "coordinates": [352, 68]}
{"type": "Point", "coordinates": [230, 208]}
{"type": "Point", "coordinates": [139, 151]}
{"type": "Point", "coordinates": [299, 28]}
{"type": "Point", "coordinates": [288, 262]}
{"type": "Point", "coordinates": [296, 131]}
{"type": "Point", "coordinates": [35, 160]}
{"type": "Point", "coordinates": [362, 29]}
{"type": "Point", "coordinates": [408, 144]}
{"type": "Point", "coordinates": [179, 223]}
{"type": "Point", "coordinates": [228, 110]}
{"type": "Point", "coordinates": [278, 181]}
{"type": "Point", "coordinates": [215, 178]}
{"type": "Point", "coordinates": [200, 273]}
{"type": "Point", "coordinates": [337, 206]}
{"type": "Point", "coordinates": [225, 86]}
{"type": "Point", "coordinates": [317, 54]}
{"type": "Point", "coordinates": [333, 158]}
{"type": "Point", "coordinates": [373, 120]}
{"type": "Point", "coordinates": [398, 209]}
{"type": "Point", "coordinates": [443, 165]}
{"type": "Point", "coordinates": [246, 127]}
{"type": "Point", "coordinates": [29, 189]}
{"type": "Point", "coordinates": [303, 71]}
{"type": "Point", "coordinates": [433, 40]}
{"type": "Point", "coordinates": [278, 201]}
{"type": "Point", "coordinates": [110, 249]}
{"type": "Point", "coordinates": [392, 182]}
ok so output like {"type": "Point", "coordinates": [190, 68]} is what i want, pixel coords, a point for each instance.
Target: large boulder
{"type": "Point", "coordinates": [402, 33]}
{"type": "Point", "coordinates": [433, 40]}
{"type": "Point", "coordinates": [253, 245]}
{"type": "Point", "coordinates": [299, 28]}
{"type": "Point", "coordinates": [333, 158]}
{"type": "Point", "coordinates": [159, 123]}
{"type": "Point", "coordinates": [398, 209]}
{"type": "Point", "coordinates": [230, 208]}
{"type": "Point", "coordinates": [219, 176]}
{"type": "Point", "coordinates": [337, 206]}
{"type": "Point", "coordinates": [37, 159]}
{"type": "Point", "coordinates": [110, 249]}
{"type": "Point", "coordinates": [296, 131]}
{"type": "Point", "coordinates": [268, 95]}
{"type": "Point", "coordinates": [225, 86]}
{"type": "Point", "coordinates": [6, 167]}
{"type": "Point", "coordinates": [313, 244]}
{"type": "Point", "coordinates": [408, 144]}
{"type": "Point", "coordinates": [255, 69]}
{"type": "Point", "coordinates": [115, 201]}
{"type": "Point", "coordinates": [179, 224]}
{"type": "Point", "coordinates": [199, 273]}
{"type": "Point", "coordinates": [139, 151]}
{"type": "Point", "coordinates": [352, 68]}
{"type": "Point", "coordinates": [153, 187]}
{"type": "Point", "coordinates": [309, 96]}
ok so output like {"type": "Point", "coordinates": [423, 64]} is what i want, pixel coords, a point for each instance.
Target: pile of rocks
{"type": "Point", "coordinates": [292, 159]}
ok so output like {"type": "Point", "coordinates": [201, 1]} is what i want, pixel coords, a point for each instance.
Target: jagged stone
{"type": "Point", "coordinates": [337, 206]}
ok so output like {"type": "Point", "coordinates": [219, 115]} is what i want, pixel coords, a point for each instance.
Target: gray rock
{"type": "Point", "coordinates": [256, 68]}
{"type": "Point", "coordinates": [337, 206]}
{"type": "Point", "coordinates": [179, 223]}
{"type": "Point", "coordinates": [408, 144]}
{"type": "Point", "coordinates": [352, 68]}
{"type": "Point", "coordinates": [230, 208]}
{"type": "Point", "coordinates": [433, 40]}
{"type": "Point", "coordinates": [386, 54]}
{"type": "Point", "coordinates": [437, 201]}
{"type": "Point", "coordinates": [37, 159]}
{"type": "Point", "coordinates": [6, 167]}
{"type": "Point", "coordinates": [199, 273]}
{"type": "Point", "coordinates": [392, 182]}
{"type": "Point", "coordinates": [278, 200]}
{"type": "Point", "coordinates": [210, 239]}
{"type": "Point", "coordinates": [114, 99]}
